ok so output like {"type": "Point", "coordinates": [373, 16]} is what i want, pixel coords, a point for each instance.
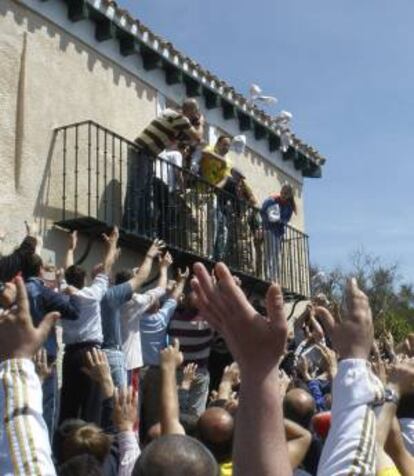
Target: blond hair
{"type": "Point", "coordinates": [89, 439]}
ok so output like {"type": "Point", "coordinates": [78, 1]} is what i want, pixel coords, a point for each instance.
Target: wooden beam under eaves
{"type": "Point", "coordinates": [210, 98]}
{"type": "Point", "coordinates": [229, 111]}
{"type": "Point", "coordinates": [128, 44]}
{"type": "Point", "coordinates": [104, 29]}
{"type": "Point", "coordinates": [77, 10]}
{"type": "Point", "coordinates": [259, 131]}
{"type": "Point", "coordinates": [312, 170]}
{"type": "Point", "coordinates": [290, 154]}
{"type": "Point", "coordinates": [300, 161]}
{"type": "Point", "coordinates": [274, 142]}
{"type": "Point", "coordinates": [245, 121]}
{"type": "Point", "coordinates": [192, 87]}
{"type": "Point", "coordinates": [150, 58]}
{"type": "Point", "coordinates": [173, 75]}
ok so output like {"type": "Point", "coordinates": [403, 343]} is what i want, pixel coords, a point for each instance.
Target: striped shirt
{"type": "Point", "coordinates": [163, 131]}
{"type": "Point", "coordinates": [194, 334]}
{"type": "Point", "coordinates": [24, 440]}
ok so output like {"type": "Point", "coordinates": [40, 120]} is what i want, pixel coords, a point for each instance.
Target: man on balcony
{"type": "Point", "coordinates": [143, 196]}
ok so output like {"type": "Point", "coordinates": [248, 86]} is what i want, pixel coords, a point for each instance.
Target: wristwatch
{"type": "Point", "coordinates": [391, 396]}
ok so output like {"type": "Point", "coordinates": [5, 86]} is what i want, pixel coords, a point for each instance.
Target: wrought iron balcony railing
{"type": "Point", "coordinates": [106, 181]}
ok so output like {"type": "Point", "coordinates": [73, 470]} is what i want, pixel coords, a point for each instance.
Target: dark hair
{"type": "Point", "coordinates": [222, 137]}
{"type": "Point", "coordinates": [81, 465]}
{"type": "Point", "coordinates": [32, 266]}
{"type": "Point", "coordinates": [75, 276]}
{"type": "Point", "coordinates": [189, 423]}
{"type": "Point", "coordinates": [176, 455]}
{"type": "Point", "coordinates": [65, 428]}
{"type": "Point", "coordinates": [123, 276]}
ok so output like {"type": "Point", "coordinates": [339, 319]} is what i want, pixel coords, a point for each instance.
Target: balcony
{"type": "Point", "coordinates": [104, 183]}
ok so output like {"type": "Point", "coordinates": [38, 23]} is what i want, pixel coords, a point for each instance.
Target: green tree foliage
{"type": "Point", "coordinates": [391, 299]}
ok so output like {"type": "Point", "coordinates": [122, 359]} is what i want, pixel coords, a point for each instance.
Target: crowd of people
{"type": "Point", "coordinates": [106, 371]}
{"type": "Point", "coordinates": [185, 377]}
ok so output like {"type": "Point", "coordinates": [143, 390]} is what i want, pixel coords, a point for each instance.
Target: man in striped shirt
{"type": "Point", "coordinates": [172, 126]}
{"type": "Point", "coordinates": [195, 337]}
{"type": "Point", "coordinates": [147, 196]}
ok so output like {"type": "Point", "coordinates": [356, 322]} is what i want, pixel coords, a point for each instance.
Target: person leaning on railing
{"type": "Point", "coordinates": [276, 211]}
{"type": "Point", "coordinates": [162, 133]}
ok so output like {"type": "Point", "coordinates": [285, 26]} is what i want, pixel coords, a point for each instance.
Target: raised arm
{"type": "Point", "coordinates": [298, 441]}
{"type": "Point", "coordinates": [257, 343]}
{"type": "Point", "coordinates": [111, 251]}
{"type": "Point", "coordinates": [354, 389]}
{"type": "Point", "coordinates": [171, 359]}
{"type": "Point", "coordinates": [401, 382]}
{"type": "Point", "coordinates": [70, 251]}
{"type": "Point", "coordinates": [30, 453]}
{"type": "Point", "coordinates": [145, 269]}
{"type": "Point", "coordinates": [179, 288]}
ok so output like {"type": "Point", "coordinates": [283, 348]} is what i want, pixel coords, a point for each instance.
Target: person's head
{"type": "Point", "coordinates": [189, 422]}
{"type": "Point", "coordinates": [191, 109]}
{"type": "Point", "coordinates": [176, 455]}
{"type": "Point", "coordinates": [155, 307]}
{"type": "Point", "coordinates": [299, 406]}
{"type": "Point", "coordinates": [88, 439]}
{"type": "Point", "coordinates": [215, 430]}
{"type": "Point", "coordinates": [123, 276]}
{"type": "Point", "coordinates": [33, 267]}
{"type": "Point", "coordinates": [63, 431]}
{"type": "Point", "coordinates": [75, 276]}
{"type": "Point", "coordinates": [223, 145]}
{"type": "Point", "coordinates": [237, 174]}
{"type": "Point", "coordinates": [81, 465]}
{"type": "Point", "coordinates": [287, 194]}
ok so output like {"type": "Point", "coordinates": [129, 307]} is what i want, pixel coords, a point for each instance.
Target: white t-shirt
{"type": "Point", "coordinates": [168, 173]}
{"type": "Point", "coordinates": [88, 326]}
{"type": "Point", "coordinates": [131, 313]}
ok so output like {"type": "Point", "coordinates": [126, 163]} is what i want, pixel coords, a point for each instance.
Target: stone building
{"type": "Point", "coordinates": [78, 80]}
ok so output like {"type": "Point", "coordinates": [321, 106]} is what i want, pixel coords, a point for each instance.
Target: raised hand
{"type": "Point", "coordinates": [171, 355]}
{"type": "Point", "coordinates": [353, 337]}
{"type": "Point", "coordinates": [19, 339]}
{"type": "Point", "coordinates": [183, 275]}
{"type": "Point", "coordinates": [189, 374]}
{"type": "Point", "coordinates": [73, 240]}
{"type": "Point", "coordinates": [125, 409]}
{"type": "Point", "coordinates": [111, 239]}
{"type": "Point", "coordinates": [165, 261]}
{"type": "Point", "coordinates": [97, 368]}
{"type": "Point", "coordinates": [401, 376]}
{"type": "Point", "coordinates": [43, 369]}
{"type": "Point", "coordinates": [257, 342]}
{"type": "Point", "coordinates": [156, 248]}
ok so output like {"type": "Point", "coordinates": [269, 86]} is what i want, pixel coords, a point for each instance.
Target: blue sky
{"type": "Point", "coordinates": [345, 69]}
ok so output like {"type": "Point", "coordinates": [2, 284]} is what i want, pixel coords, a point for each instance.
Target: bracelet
{"type": "Point", "coordinates": [150, 256]}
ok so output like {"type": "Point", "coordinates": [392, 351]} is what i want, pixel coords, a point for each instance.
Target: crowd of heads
{"type": "Point", "coordinates": [175, 418]}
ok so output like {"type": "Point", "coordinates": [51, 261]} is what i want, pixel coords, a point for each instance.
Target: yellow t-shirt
{"type": "Point", "coordinates": [391, 471]}
{"type": "Point", "coordinates": [226, 469]}
{"type": "Point", "coordinates": [213, 167]}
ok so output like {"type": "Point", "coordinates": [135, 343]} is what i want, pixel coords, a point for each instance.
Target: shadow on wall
{"type": "Point", "coordinates": [26, 18]}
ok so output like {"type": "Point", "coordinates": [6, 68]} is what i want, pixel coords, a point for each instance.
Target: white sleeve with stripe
{"type": "Point", "coordinates": [24, 440]}
{"type": "Point", "coordinates": [350, 448]}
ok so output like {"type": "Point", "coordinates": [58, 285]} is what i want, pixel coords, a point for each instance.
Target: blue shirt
{"type": "Point", "coordinates": [153, 328]}
{"type": "Point", "coordinates": [114, 298]}
{"type": "Point", "coordinates": [286, 211]}
{"type": "Point", "coordinates": [43, 300]}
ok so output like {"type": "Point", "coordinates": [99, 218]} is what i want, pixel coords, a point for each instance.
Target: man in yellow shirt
{"type": "Point", "coordinates": [215, 166]}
